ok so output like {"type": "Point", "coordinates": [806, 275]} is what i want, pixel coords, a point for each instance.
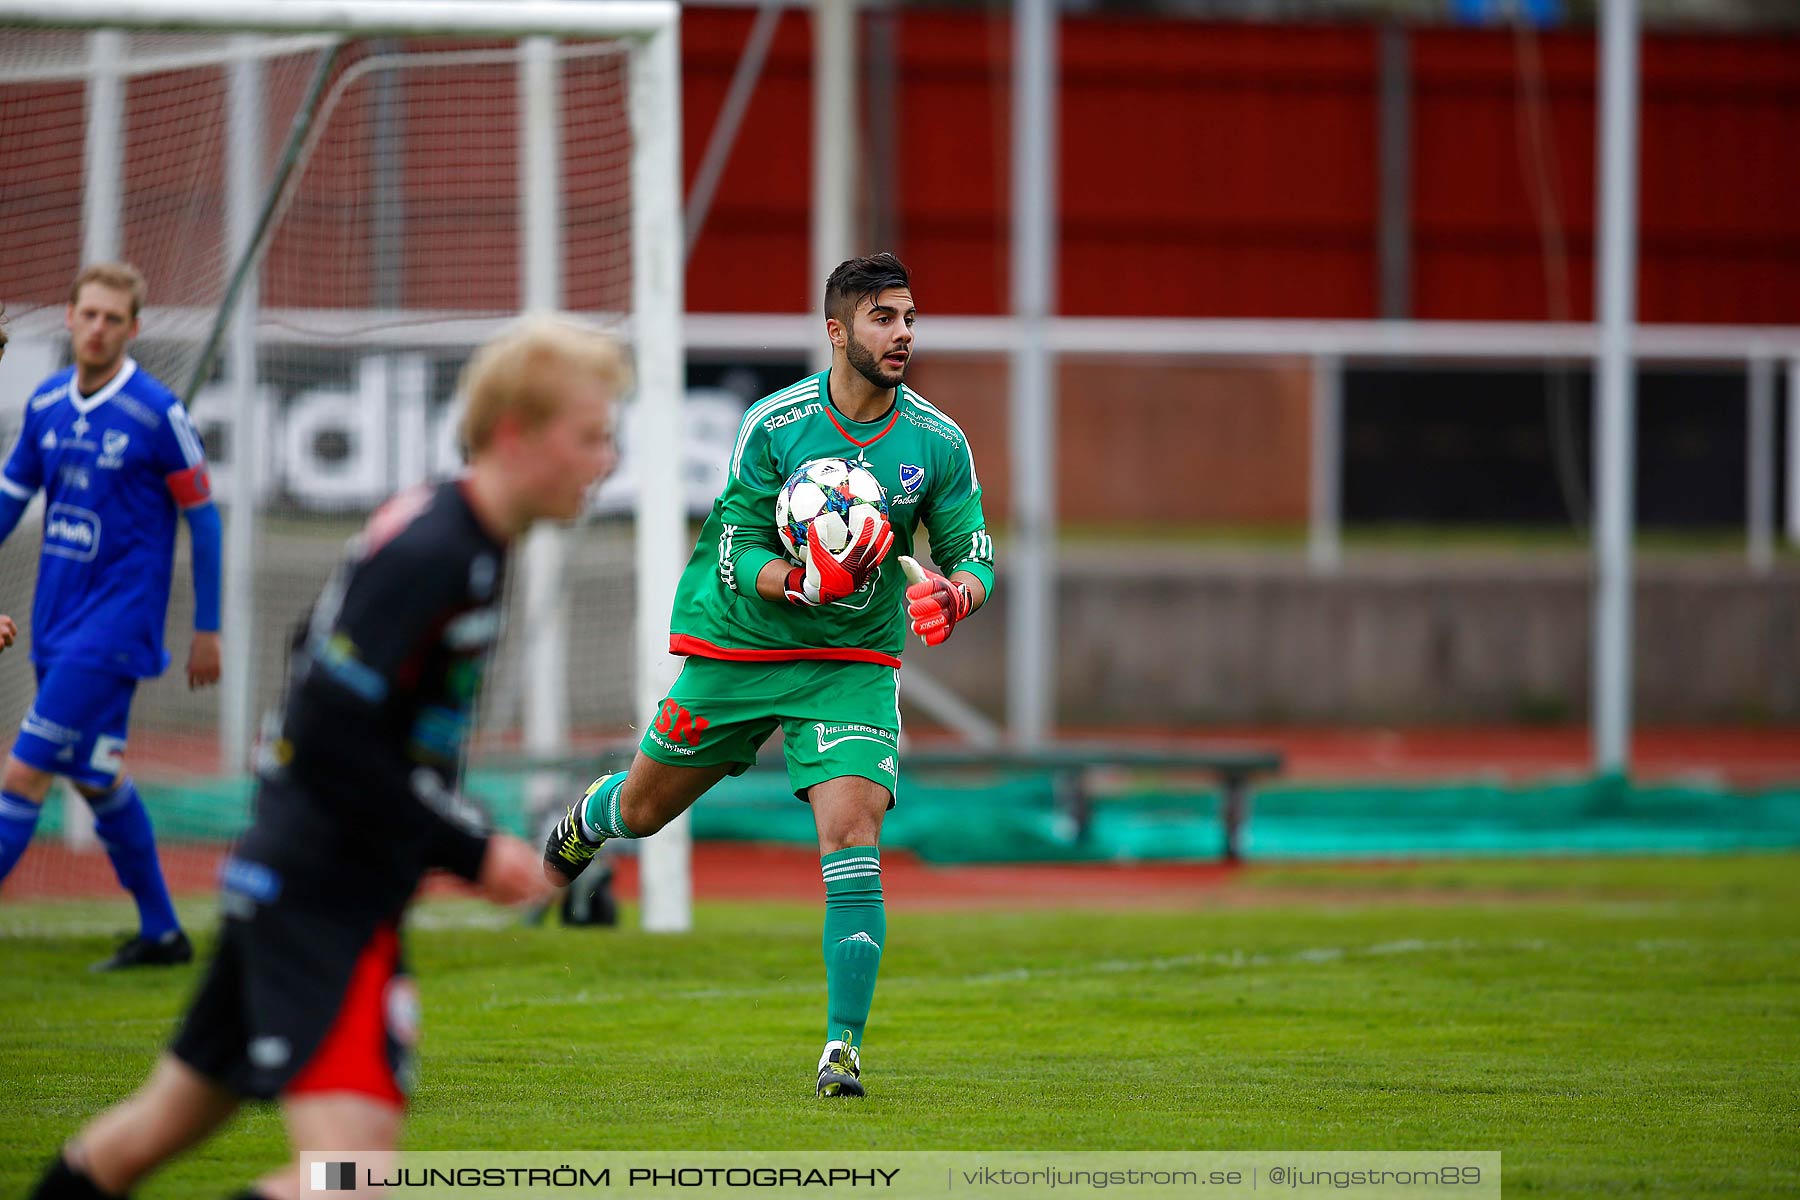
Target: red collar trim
{"type": "Point", "coordinates": [831, 411]}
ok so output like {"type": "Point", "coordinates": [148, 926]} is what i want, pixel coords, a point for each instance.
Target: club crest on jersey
{"type": "Point", "coordinates": [911, 477]}
{"type": "Point", "coordinates": [112, 448]}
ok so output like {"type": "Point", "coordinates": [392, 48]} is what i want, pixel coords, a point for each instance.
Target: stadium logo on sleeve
{"type": "Point", "coordinates": [794, 413]}
{"type": "Point", "coordinates": [911, 477]}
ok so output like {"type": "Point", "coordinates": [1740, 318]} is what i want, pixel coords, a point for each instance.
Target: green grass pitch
{"type": "Point", "coordinates": [1613, 1027]}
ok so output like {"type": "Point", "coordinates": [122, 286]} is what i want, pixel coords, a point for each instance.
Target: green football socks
{"type": "Point", "coordinates": [600, 816]}
{"type": "Point", "coordinates": [855, 931]}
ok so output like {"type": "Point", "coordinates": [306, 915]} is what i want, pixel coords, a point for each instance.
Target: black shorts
{"type": "Point", "coordinates": [300, 1000]}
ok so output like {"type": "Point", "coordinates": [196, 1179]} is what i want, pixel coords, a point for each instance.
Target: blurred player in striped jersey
{"type": "Point", "coordinates": [307, 1000]}
{"type": "Point", "coordinates": [117, 459]}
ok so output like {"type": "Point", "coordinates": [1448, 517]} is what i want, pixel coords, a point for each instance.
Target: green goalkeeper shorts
{"type": "Point", "coordinates": [836, 719]}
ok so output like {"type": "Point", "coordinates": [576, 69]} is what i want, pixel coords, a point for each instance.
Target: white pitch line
{"type": "Point", "coordinates": [1229, 960]}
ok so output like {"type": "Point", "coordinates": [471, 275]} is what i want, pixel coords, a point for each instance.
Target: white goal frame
{"type": "Point", "coordinates": [651, 28]}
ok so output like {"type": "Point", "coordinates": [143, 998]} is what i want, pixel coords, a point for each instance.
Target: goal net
{"type": "Point", "coordinates": [329, 218]}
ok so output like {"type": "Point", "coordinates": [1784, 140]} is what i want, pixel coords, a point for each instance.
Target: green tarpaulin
{"type": "Point", "coordinates": [1002, 817]}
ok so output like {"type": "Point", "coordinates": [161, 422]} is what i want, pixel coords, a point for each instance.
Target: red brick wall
{"type": "Point", "coordinates": [1206, 170]}
{"type": "Point", "coordinates": [1229, 170]}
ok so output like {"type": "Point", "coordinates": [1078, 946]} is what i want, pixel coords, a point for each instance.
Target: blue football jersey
{"type": "Point", "coordinates": [116, 468]}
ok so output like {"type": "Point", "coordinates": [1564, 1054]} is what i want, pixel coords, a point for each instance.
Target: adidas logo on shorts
{"type": "Point", "coordinates": [887, 764]}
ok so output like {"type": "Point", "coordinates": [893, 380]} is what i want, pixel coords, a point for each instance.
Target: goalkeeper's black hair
{"type": "Point", "coordinates": [859, 279]}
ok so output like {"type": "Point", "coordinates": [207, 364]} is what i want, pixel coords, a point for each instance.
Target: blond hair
{"type": "Point", "coordinates": [121, 276]}
{"type": "Point", "coordinates": [524, 369]}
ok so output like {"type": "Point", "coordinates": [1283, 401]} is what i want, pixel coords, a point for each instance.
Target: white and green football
{"type": "Point", "coordinates": [836, 495]}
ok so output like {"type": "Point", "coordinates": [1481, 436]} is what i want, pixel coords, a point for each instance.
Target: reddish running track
{"type": "Point", "coordinates": [728, 871]}
{"type": "Point", "coordinates": [1744, 757]}
{"type": "Point", "coordinates": [1737, 757]}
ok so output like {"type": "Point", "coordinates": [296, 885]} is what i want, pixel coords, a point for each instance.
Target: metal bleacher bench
{"type": "Point", "coordinates": [1072, 766]}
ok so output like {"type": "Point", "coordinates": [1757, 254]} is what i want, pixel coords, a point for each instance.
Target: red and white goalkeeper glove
{"type": "Point", "coordinates": [829, 577]}
{"type": "Point", "coordinates": [934, 604]}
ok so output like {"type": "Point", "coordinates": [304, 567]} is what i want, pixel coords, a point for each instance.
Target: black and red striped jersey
{"type": "Point", "coordinates": [358, 794]}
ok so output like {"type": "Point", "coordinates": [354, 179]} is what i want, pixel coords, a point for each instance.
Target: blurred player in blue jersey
{"type": "Point", "coordinates": [117, 458]}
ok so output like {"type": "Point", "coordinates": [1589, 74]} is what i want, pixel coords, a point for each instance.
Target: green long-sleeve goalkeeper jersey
{"type": "Point", "coordinates": [922, 460]}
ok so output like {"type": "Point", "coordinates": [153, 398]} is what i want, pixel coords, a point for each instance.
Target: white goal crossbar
{"type": "Point", "coordinates": [358, 18]}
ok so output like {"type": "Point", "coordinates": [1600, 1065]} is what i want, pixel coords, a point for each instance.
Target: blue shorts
{"type": "Point", "coordinates": [76, 726]}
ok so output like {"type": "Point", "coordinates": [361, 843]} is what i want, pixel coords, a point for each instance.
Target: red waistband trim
{"type": "Point", "coordinates": [684, 643]}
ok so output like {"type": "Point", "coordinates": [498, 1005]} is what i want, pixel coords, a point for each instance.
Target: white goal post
{"type": "Point", "coordinates": [650, 31]}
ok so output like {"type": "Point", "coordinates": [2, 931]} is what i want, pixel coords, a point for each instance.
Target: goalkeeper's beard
{"type": "Point", "coordinates": [869, 367]}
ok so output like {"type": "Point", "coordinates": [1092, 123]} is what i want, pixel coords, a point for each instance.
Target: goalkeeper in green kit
{"type": "Point", "coordinates": [813, 649]}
